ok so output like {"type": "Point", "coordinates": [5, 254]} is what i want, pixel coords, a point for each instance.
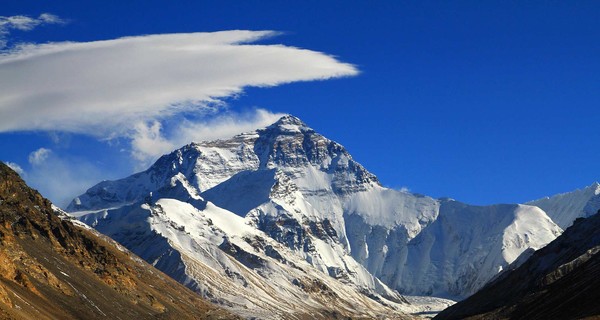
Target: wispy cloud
{"type": "Point", "coordinates": [17, 168]}
{"type": "Point", "coordinates": [57, 177]}
{"type": "Point", "coordinates": [39, 156]}
{"type": "Point", "coordinates": [101, 88]}
{"type": "Point", "coordinates": [24, 23]}
{"type": "Point", "coordinates": [150, 140]}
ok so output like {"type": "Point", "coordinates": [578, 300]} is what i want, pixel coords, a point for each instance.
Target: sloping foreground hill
{"type": "Point", "coordinates": [53, 269]}
{"type": "Point", "coordinates": [559, 281]}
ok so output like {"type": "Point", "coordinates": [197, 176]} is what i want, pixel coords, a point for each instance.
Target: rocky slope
{"type": "Point", "coordinates": [559, 281]}
{"type": "Point", "coordinates": [311, 198]}
{"type": "Point", "coordinates": [51, 268]}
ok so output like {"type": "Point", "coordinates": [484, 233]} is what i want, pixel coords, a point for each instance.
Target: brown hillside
{"type": "Point", "coordinates": [53, 269]}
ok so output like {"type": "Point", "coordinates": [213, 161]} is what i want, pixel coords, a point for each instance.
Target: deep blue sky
{"type": "Point", "coordinates": [485, 102]}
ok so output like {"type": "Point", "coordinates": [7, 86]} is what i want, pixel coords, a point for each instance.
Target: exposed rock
{"type": "Point", "coordinates": [51, 268]}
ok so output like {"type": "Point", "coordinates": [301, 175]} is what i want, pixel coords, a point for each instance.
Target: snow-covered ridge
{"type": "Point", "coordinates": [559, 281]}
{"type": "Point", "coordinates": [564, 208]}
{"type": "Point", "coordinates": [307, 194]}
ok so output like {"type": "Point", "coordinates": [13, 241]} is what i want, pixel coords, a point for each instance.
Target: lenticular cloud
{"type": "Point", "coordinates": [100, 87]}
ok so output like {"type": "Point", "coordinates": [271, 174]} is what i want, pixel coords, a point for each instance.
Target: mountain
{"type": "Point", "coordinates": [467, 245]}
{"type": "Point", "coordinates": [53, 268]}
{"type": "Point", "coordinates": [565, 208]}
{"type": "Point", "coordinates": [290, 266]}
{"type": "Point", "coordinates": [559, 281]}
{"type": "Point", "coordinates": [217, 254]}
{"type": "Point", "coordinates": [306, 197]}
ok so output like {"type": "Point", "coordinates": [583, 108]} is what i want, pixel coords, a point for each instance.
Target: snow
{"type": "Point", "coordinates": [564, 208]}
{"type": "Point", "coordinates": [179, 177]}
{"type": "Point", "coordinates": [428, 307]}
{"type": "Point", "coordinates": [265, 289]}
{"type": "Point", "coordinates": [185, 214]}
{"type": "Point", "coordinates": [466, 246]}
{"type": "Point", "coordinates": [529, 229]}
{"type": "Point", "coordinates": [290, 128]}
{"type": "Point", "coordinates": [243, 191]}
{"type": "Point", "coordinates": [389, 208]}
{"type": "Point", "coordinates": [287, 186]}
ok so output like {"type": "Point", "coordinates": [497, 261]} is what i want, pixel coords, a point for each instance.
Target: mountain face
{"type": "Point", "coordinates": [565, 208]}
{"type": "Point", "coordinates": [299, 199]}
{"type": "Point", "coordinates": [52, 268]}
{"type": "Point", "coordinates": [559, 281]}
{"type": "Point", "coordinates": [217, 254]}
{"type": "Point", "coordinates": [467, 245]}
{"type": "Point", "coordinates": [286, 263]}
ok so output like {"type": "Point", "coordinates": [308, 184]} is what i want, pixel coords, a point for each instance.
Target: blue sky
{"type": "Point", "coordinates": [484, 102]}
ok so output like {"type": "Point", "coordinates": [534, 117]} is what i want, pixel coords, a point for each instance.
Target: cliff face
{"type": "Point", "coordinates": [52, 268]}
{"type": "Point", "coordinates": [559, 281]}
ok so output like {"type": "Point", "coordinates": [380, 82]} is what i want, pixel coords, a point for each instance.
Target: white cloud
{"type": "Point", "coordinates": [51, 18]}
{"type": "Point", "coordinates": [39, 156]}
{"type": "Point", "coordinates": [158, 92]}
{"type": "Point", "coordinates": [24, 23]}
{"type": "Point", "coordinates": [150, 140]}
{"type": "Point", "coordinates": [225, 125]}
{"type": "Point", "coordinates": [60, 178]}
{"type": "Point", "coordinates": [17, 168]}
{"type": "Point", "coordinates": [100, 88]}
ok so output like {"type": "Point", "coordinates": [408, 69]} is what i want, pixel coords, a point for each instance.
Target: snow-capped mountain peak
{"type": "Point", "coordinates": [305, 193]}
{"type": "Point", "coordinates": [288, 123]}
